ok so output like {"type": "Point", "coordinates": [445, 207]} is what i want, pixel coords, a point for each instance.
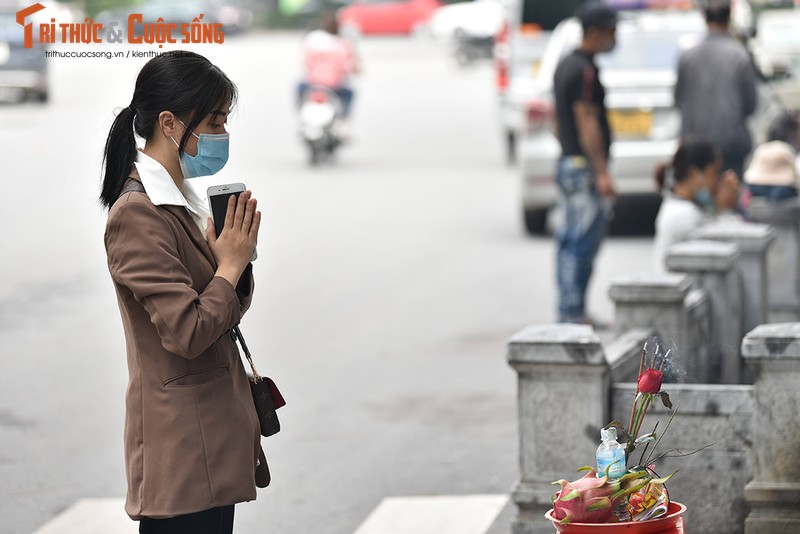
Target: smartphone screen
{"type": "Point", "coordinates": [219, 206]}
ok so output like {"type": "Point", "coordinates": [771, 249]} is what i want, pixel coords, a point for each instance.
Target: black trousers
{"type": "Point", "coordinates": [213, 521]}
{"type": "Point", "coordinates": [734, 159]}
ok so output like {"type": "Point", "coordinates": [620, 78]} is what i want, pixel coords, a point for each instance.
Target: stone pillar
{"type": "Point", "coordinates": [712, 265]}
{"type": "Point", "coordinates": [753, 241]}
{"type": "Point", "coordinates": [666, 303]}
{"type": "Point", "coordinates": [783, 260]}
{"type": "Point", "coordinates": [773, 351]}
{"type": "Point", "coordinates": [563, 390]}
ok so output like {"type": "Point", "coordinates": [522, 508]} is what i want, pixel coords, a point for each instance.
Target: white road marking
{"type": "Point", "coordinates": [92, 516]}
{"type": "Point", "coordinates": [445, 514]}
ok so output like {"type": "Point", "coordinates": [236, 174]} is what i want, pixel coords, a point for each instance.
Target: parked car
{"type": "Point", "coordinates": [519, 48]}
{"type": "Point", "coordinates": [386, 16]}
{"type": "Point", "coordinates": [639, 77]}
{"type": "Point", "coordinates": [776, 44]}
{"type": "Point", "coordinates": [23, 71]}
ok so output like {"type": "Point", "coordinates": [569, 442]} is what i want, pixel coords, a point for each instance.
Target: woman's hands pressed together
{"type": "Point", "coordinates": [727, 191]}
{"type": "Point", "coordinates": [234, 247]}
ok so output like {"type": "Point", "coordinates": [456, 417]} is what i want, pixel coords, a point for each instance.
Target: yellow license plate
{"type": "Point", "coordinates": [630, 123]}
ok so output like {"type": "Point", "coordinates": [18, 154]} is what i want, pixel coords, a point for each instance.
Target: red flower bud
{"type": "Point", "coordinates": [650, 381]}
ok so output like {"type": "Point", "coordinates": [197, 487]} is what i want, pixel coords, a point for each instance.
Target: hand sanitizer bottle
{"type": "Point", "coordinates": [611, 453]}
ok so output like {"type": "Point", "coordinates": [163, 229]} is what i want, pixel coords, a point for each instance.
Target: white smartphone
{"type": "Point", "coordinates": [218, 196]}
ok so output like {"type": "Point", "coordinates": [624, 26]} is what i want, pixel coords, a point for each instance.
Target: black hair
{"type": "Point", "coordinates": [784, 128]}
{"type": "Point", "coordinates": [691, 154]}
{"type": "Point", "coordinates": [718, 14]}
{"type": "Point", "coordinates": [185, 83]}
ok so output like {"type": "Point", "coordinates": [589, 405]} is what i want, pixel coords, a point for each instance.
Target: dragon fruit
{"type": "Point", "coordinates": [586, 500]}
{"type": "Point", "coordinates": [591, 499]}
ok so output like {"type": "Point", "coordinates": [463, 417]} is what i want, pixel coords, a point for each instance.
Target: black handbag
{"type": "Point", "coordinates": [266, 397]}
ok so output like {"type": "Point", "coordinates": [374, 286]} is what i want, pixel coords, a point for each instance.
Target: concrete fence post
{"type": "Point", "coordinates": [712, 265]}
{"type": "Point", "coordinates": [783, 260]}
{"type": "Point", "coordinates": [666, 303]}
{"type": "Point", "coordinates": [753, 241]}
{"type": "Point", "coordinates": [563, 390]}
{"type": "Point", "coordinates": [773, 352]}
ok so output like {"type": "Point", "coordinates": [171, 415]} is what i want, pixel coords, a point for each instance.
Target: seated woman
{"type": "Point", "coordinates": [773, 173]}
{"type": "Point", "coordinates": [693, 194]}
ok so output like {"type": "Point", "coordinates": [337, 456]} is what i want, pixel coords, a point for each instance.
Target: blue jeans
{"type": "Point", "coordinates": [773, 192]}
{"type": "Point", "coordinates": [580, 236]}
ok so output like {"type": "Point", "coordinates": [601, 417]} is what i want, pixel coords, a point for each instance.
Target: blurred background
{"type": "Point", "coordinates": [394, 261]}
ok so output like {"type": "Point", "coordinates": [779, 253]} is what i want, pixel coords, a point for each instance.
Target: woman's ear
{"type": "Point", "coordinates": [169, 124]}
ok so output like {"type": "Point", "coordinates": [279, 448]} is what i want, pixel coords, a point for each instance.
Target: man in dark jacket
{"type": "Point", "coordinates": [584, 183]}
{"type": "Point", "coordinates": [716, 89]}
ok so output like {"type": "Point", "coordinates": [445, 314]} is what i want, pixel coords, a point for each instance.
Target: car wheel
{"type": "Point", "coordinates": [462, 57]}
{"type": "Point", "coordinates": [535, 220]}
{"type": "Point", "coordinates": [511, 147]}
{"type": "Point", "coordinates": [42, 96]}
{"type": "Point", "coordinates": [635, 215]}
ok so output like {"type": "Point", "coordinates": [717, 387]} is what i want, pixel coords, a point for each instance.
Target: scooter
{"type": "Point", "coordinates": [320, 109]}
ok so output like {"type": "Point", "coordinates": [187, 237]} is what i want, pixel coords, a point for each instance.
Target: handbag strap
{"type": "Point", "coordinates": [238, 333]}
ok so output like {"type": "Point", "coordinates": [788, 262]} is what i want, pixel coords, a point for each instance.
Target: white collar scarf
{"type": "Point", "coordinates": [161, 189]}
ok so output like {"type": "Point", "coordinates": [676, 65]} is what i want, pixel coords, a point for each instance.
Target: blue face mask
{"type": "Point", "coordinates": [212, 155]}
{"type": "Point", "coordinates": [703, 197]}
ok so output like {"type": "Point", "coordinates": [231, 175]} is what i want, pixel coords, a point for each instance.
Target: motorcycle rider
{"type": "Point", "coordinates": [329, 60]}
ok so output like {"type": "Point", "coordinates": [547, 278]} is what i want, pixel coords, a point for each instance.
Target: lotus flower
{"type": "Point", "coordinates": [591, 499]}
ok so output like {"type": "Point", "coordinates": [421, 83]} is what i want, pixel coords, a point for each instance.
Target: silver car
{"type": "Point", "coordinates": [639, 78]}
{"type": "Point", "coordinates": [776, 45]}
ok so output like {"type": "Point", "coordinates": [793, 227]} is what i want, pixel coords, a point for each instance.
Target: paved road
{"type": "Point", "coordinates": [387, 287]}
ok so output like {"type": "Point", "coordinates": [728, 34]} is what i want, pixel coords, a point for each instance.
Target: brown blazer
{"type": "Point", "coordinates": [191, 431]}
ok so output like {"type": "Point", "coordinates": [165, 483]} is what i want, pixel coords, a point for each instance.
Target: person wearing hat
{"type": "Point", "coordinates": [786, 127]}
{"type": "Point", "coordinates": [715, 91]}
{"type": "Point", "coordinates": [586, 189]}
{"type": "Point", "coordinates": [772, 172]}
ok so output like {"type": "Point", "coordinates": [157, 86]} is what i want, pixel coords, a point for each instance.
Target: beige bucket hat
{"type": "Point", "coordinates": [773, 163]}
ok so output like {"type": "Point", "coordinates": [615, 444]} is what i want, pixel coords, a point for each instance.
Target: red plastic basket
{"type": "Point", "coordinates": [672, 523]}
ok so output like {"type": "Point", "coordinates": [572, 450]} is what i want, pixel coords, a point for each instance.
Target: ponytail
{"type": "Point", "coordinates": [118, 156]}
{"type": "Point", "coordinates": [661, 175]}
